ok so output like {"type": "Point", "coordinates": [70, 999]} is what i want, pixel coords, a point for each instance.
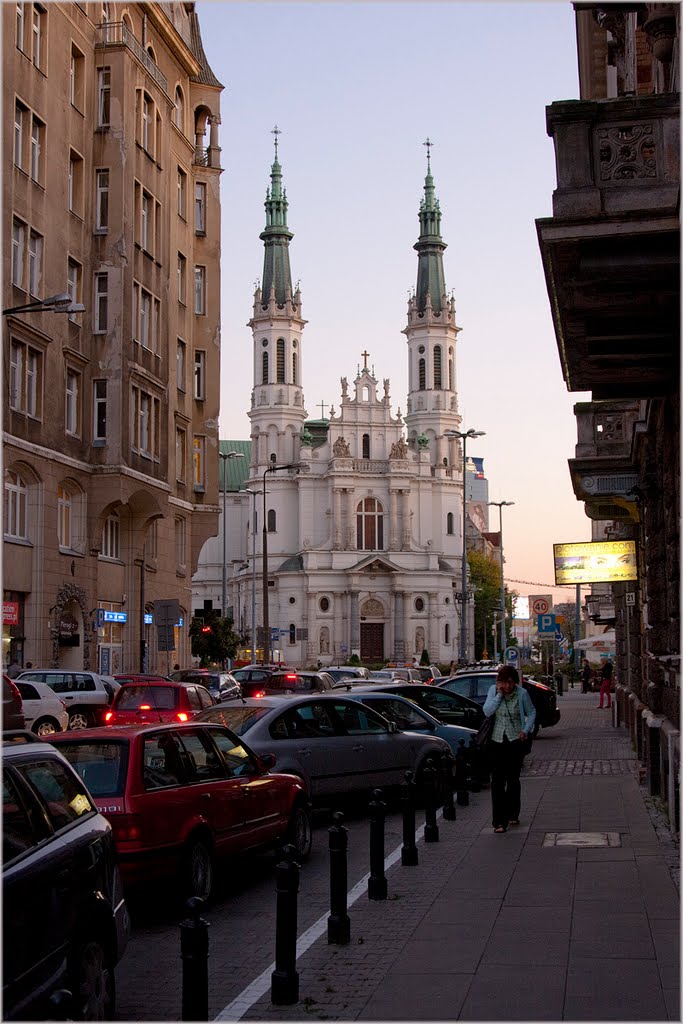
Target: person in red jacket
{"type": "Point", "coordinates": [606, 684]}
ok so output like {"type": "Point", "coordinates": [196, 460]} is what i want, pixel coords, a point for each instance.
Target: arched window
{"type": "Point", "coordinates": [280, 363]}
{"type": "Point", "coordinates": [437, 366]}
{"type": "Point", "coordinates": [179, 111]}
{"type": "Point", "coordinates": [449, 523]}
{"type": "Point", "coordinates": [366, 446]}
{"type": "Point", "coordinates": [16, 508]}
{"type": "Point", "coordinates": [264, 368]}
{"type": "Point", "coordinates": [294, 369]}
{"type": "Point", "coordinates": [292, 632]}
{"type": "Point", "coordinates": [272, 520]}
{"type": "Point", "coordinates": [451, 374]}
{"type": "Point", "coordinates": [151, 53]}
{"type": "Point", "coordinates": [421, 372]}
{"type": "Point", "coordinates": [369, 525]}
{"type": "Point", "coordinates": [64, 518]}
{"type": "Point", "coordinates": [111, 536]}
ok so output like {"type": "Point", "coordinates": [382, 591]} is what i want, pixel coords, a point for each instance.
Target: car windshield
{"type": "Point", "coordinates": [239, 718]}
{"type": "Point", "coordinates": [131, 697]}
{"type": "Point", "coordinates": [101, 765]}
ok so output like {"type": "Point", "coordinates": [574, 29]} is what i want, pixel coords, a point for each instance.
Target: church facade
{"type": "Point", "coordinates": [363, 509]}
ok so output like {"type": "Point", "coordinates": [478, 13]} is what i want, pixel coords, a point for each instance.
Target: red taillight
{"type": "Point", "coordinates": [290, 677]}
{"type": "Point", "coordinates": [15, 692]}
{"type": "Point", "coordinates": [145, 707]}
{"type": "Point", "coordinates": [126, 828]}
{"type": "Point", "coordinates": [108, 716]}
{"type": "Point", "coordinates": [182, 716]}
{"type": "Point", "coordinates": [261, 693]}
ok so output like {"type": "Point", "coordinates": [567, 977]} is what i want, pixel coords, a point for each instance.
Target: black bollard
{"type": "Point", "coordinates": [473, 781]}
{"type": "Point", "coordinates": [461, 794]}
{"type": "Point", "coordinates": [409, 849]}
{"type": "Point", "coordinates": [431, 827]}
{"type": "Point", "coordinates": [194, 952]}
{"type": "Point", "coordinates": [377, 883]}
{"type": "Point", "coordinates": [338, 923]}
{"type": "Point", "coordinates": [284, 981]}
{"type": "Point", "coordinates": [448, 805]}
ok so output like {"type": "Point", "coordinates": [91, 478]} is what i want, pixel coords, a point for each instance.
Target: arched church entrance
{"type": "Point", "coordinates": [372, 631]}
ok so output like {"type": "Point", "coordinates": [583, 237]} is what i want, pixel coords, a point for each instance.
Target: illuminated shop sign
{"type": "Point", "coordinates": [612, 561]}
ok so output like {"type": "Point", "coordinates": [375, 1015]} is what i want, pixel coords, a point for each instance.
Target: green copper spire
{"type": "Point", "coordinates": [276, 236]}
{"type": "Point", "coordinates": [430, 247]}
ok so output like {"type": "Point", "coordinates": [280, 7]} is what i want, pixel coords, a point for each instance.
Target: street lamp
{"type": "Point", "coordinates": [266, 624]}
{"type": "Point", "coordinates": [463, 435]}
{"type": "Point", "coordinates": [224, 593]}
{"type": "Point", "coordinates": [254, 494]}
{"type": "Point", "coordinates": [62, 303]}
{"type": "Point", "coordinates": [500, 505]}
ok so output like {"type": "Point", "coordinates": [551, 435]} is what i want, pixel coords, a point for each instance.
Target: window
{"type": "Point", "coordinates": [182, 278]}
{"type": "Point", "coordinates": [38, 20]}
{"type": "Point", "coordinates": [437, 366]}
{"type": "Point", "coordinates": [280, 361]}
{"type": "Point", "coordinates": [179, 109]}
{"type": "Point", "coordinates": [75, 185]}
{"type": "Point", "coordinates": [102, 199]}
{"type": "Point", "coordinates": [72, 402]}
{"type": "Point", "coordinates": [152, 541]}
{"type": "Point", "coordinates": [200, 376]}
{"type": "Point", "coordinates": [99, 401]}
{"type": "Point", "coordinates": [145, 218]}
{"type": "Point", "coordinates": [181, 363]}
{"type": "Point", "coordinates": [324, 604]}
{"type": "Point", "coordinates": [20, 122]}
{"type": "Point", "coordinates": [20, 25]}
{"type": "Point", "coordinates": [366, 446]}
{"type": "Point", "coordinates": [200, 291]}
{"type": "Point", "coordinates": [447, 634]}
{"type": "Point", "coordinates": [182, 194]}
{"type": "Point", "coordinates": [146, 318]}
{"type": "Point", "coordinates": [111, 534]}
{"type": "Point", "coordinates": [103, 97]}
{"type": "Point", "coordinates": [35, 262]}
{"type": "Point", "coordinates": [145, 424]}
{"type": "Point", "coordinates": [73, 283]}
{"type": "Point", "coordinates": [198, 456]}
{"type": "Point", "coordinates": [422, 379]}
{"type": "Point", "coordinates": [264, 368]}
{"type": "Point", "coordinates": [76, 78]}
{"type": "Point", "coordinates": [369, 525]}
{"type": "Point", "coordinates": [180, 556]}
{"type": "Point", "coordinates": [451, 374]}
{"type": "Point", "coordinates": [419, 604]}
{"type": "Point", "coordinates": [64, 517]}
{"type": "Point", "coordinates": [101, 302]}
{"type": "Point", "coordinates": [449, 523]}
{"type": "Point", "coordinates": [200, 207]}
{"type": "Point", "coordinates": [180, 454]}
{"type": "Point", "coordinates": [25, 378]}
{"type": "Point", "coordinates": [272, 520]}
{"type": "Point", "coordinates": [147, 123]}
{"type": "Point", "coordinates": [18, 252]}
{"type": "Point", "coordinates": [16, 506]}
{"type": "Point", "coordinates": [37, 137]}
{"type": "Point", "coordinates": [294, 368]}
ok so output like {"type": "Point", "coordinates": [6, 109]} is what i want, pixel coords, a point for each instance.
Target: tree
{"type": "Point", "coordinates": [485, 581]}
{"type": "Point", "coordinates": [213, 639]}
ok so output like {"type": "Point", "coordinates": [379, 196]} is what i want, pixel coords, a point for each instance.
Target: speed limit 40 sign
{"type": "Point", "coordinates": [540, 604]}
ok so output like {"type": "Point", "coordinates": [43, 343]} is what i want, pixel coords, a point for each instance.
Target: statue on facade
{"type": "Point", "coordinates": [345, 387]}
{"type": "Point", "coordinates": [386, 387]}
{"type": "Point", "coordinates": [399, 450]}
{"type": "Point", "coordinates": [423, 441]}
{"type": "Point", "coordinates": [341, 448]}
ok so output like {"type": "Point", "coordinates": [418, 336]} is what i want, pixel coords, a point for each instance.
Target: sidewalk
{"type": "Point", "coordinates": [573, 915]}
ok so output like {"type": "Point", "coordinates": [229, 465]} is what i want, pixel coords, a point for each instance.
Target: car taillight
{"type": "Point", "coordinates": [126, 828]}
{"type": "Point", "coordinates": [182, 716]}
{"type": "Point", "coordinates": [260, 693]}
{"type": "Point", "coordinates": [16, 693]}
{"type": "Point", "coordinates": [290, 677]}
{"type": "Point", "coordinates": [145, 707]}
{"type": "Point", "coordinates": [108, 716]}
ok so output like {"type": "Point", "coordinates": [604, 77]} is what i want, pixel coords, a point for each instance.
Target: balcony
{"type": "Point", "coordinates": [611, 250]}
{"type": "Point", "coordinates": [116, 33]}
{"type": "Point", "coordinates": [603, 474]}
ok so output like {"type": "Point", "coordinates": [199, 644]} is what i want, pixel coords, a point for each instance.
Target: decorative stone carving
{"type": "Point", "coordinates": [341, 448]}
{"type": "Point", "coordinates": [627, 152]}
{"type": "Point", "coordinates": [372, 609]}
{"type": "Point", "coordinates": [399, 450]}
{"type": "Point", "coordinates": [345, 387]}
{"type": "Point", "coordinates": [423, 442]}
{"type": "Point", "coordinates": [386, 387]}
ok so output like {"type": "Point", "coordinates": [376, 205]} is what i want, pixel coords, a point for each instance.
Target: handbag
{"type": "Point", "coordinates": [484, 733]}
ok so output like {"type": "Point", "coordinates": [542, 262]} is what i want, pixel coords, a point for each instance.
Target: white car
{"type": "Point", "coordinates": [87, 694]}
{"type": "Point", "coordinates": [44, 711]}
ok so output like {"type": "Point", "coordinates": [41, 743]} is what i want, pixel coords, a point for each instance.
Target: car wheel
{"type": "Point", "coordinates": [300, 830]}
{"type": "Point", "coordinates": [79, 720]}
{"type": "Point", "coordinates": [46, 727]}
{"type": "Point", "coordinates": [92, 981]}
{"type": "Point", "coordinates": [198, 870]}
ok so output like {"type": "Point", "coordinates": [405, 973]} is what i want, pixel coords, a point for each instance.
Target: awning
{"type": "Point", "coordinates": [600, 642]}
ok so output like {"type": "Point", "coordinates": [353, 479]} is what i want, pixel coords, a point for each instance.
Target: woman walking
{"type": "Point", "coordinates": [515, 717]}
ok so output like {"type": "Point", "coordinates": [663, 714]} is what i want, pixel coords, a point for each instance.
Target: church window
{"type": "Point", "coordinates": [324, 604]}
{"type": "Point", "coordinates": [280, 365]}
{"type": "Point", "coordinates": [419, 604]}
{"type": "Point", "coordinates": [449, 523]}
{"type": "Point", "coordinates": [369, 525]}
{"type": "Point", "coordinates": [272, 520]}
{"type": "Point", "coordinates": [292, 632]}
{"type": "Point", "coordinates": [451, 373]}
{"type": "Point", "coordinates": [264, 368]}
{"type": "Point", "coordinates": [437, 366]}
{"type": "Point", "coordinates": [366, 446]}
{"type": "Point", "coordinates": [422, 379]}
{"type": "Point", "coordinates": [366, 395]}
{"type": "Point", "coordinates": [294, 369]}
{"type": "Point", "coordinates": [447, 634]}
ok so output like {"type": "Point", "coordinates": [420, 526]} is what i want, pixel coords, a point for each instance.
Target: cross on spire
{"type": "Point", "coordinates": [322, 409]}
{"type": "Point", "coordinates": [365, 359]}
{"type": "Point", "coordinates": [276, 131]}
{"type": "Point", "coordinates": [428, 143]}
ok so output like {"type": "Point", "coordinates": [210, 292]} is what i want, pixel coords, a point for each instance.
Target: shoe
{"type": "Point", "coordinates": [501, 828]}
{"type": "Point", "coordinates": [515, 821]}
{"type": "Point", "coordinates": [599, 706]}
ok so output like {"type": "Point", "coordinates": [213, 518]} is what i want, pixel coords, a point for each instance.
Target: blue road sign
{"type": "Point", "coordinates": [511, 655]}
{"type": "Point", "coordinates": [546, 624]}
{"type": "Point", "coordinates": [559, 636]}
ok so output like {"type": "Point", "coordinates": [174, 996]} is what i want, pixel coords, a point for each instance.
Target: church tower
{"type": "Point", "coordinates": [277, 411]}
{"type": "Point", "coordinates": [432, 334]}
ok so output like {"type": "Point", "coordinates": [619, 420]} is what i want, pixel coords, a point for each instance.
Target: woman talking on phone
{"type": "Point", "coordinates": [515, 717]}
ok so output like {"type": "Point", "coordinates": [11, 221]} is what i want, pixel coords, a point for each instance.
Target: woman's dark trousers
{"type": "Point", "coordinates": [505, 760]}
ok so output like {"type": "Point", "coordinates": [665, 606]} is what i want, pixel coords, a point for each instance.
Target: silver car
{"type": "Point", "coordinates": [336, 744]}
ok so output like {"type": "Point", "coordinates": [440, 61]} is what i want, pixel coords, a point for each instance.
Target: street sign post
{"type": "Point", "coordinates": [166, 615]}
{"type": "Point", "coordinates": [540, 604]}
{"type": "Point", "coordinates": [547, 625]}
{"type": "Point", "coordinates": [511, 656]}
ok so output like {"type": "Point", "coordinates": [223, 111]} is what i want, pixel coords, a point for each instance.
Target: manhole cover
{"type": "Point", "coordinates": [584, 839]}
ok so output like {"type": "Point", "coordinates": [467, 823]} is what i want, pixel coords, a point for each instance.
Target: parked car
{"type": "Point", "coordinates": [44, 711]}
{"type": "Point", "coordinates": [287, 681]}
{"type": "Point", "coordinates": [86, 694]}
{"type": "Point", "coordinates": [451, 708]}
{"type": "Point", "coordinates": [160, 701]}
{"type": "Point", "coordinates": [221, 685]}
{"type": "Point", "coordinates": [139, 677]}
{"type": "Point", "coordinates": [333, 742]}
{"type": "Point", "coordinates": [12, 709]}
{"type": "Point", "coordinates": [428, 673]}
{"type": "Point", "coordinates": [179, 797]}
{"type": "Point", "coordinates": [253, 678]}
{"type": "Point", "coordinates": [347, 672]}
{"type": "Point", "coordinates": [65, 919]}
{"type": "Point", "coordinates": [409, 715]}
{"type": "Point", "coordinates": [405, 675]}
{"type": "Point", "coordinates": [476, 684]}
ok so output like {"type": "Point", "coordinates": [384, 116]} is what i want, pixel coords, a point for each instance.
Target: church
{"type": "Point", "coordinates": [363, 509]}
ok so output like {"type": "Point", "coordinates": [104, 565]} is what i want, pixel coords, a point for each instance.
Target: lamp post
{"type": "Point", "coordinates": [463, 435]}
{"type": "Point", "coordinates": [500, 505]}
{"type": "Point", "coordinates": [266, 624]}
{"type": "Point", "coordinates": [224, 456]}
{"type": "Point", "coordinates": [62, 303]}
{"type": "Point", "coordinates": [254, 495]}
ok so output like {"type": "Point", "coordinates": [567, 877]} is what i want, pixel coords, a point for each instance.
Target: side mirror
{"type": "Point", "coordinates": [392, 727]}
{"type": "Point", "coordinates": [266, 761]}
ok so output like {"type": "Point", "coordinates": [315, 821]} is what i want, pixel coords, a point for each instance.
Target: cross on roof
{"type": "Point", "coordinates": [428, 143]}
{"type": "Point", "coordinates": [276, 131]}
{"type": "Point", "coordinates": [322, 409]}
{"type": "Point", "coordinates": [365, 359]}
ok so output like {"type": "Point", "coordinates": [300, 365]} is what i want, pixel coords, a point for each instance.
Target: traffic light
{"type": "Point", "coordinates": [207, 629]}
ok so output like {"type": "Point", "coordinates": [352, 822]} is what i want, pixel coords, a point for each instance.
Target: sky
{"type": "Point", "coordinates": [356, 89]}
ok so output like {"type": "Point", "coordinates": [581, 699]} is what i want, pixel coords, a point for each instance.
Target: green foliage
{"type": "Point", "coordinates": [213, 640]}
{"type": "Point", "coordinates": [485, 581]}
{"type": "Point", "coordinates": [424, 657]}
{"type": "Point", "coordinates": [354, 660]}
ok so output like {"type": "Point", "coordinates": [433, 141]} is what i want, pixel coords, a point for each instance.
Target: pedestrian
{"type": "Point", "coordinates": [586, 676]}
{"type": "Point", "coordinates": [451, 668]}
{"type": "Point", "coordinates": [176, 667]}
{"type": "Point", "coordinates": [515, 718]}
{"type": "Point", "coordinates": [13, 669]}
{"type": "Point", "coordinates": [606, 683]}
{"type": "Point", "coordinates": [29, 664]}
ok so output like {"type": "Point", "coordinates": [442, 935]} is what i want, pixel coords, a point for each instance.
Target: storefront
{"type": "Point", "coordinates": [12, 628]}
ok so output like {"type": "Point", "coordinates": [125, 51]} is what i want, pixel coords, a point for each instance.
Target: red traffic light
{"type": "Point", "coordinates": [207, 629]}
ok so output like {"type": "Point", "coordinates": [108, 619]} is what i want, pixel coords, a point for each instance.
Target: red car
{"type": "Point", "coordinates": [157, 701]}
{"type": "Point", "coordinates": [181, 796]}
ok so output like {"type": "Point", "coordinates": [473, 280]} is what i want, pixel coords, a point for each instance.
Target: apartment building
{"type": "Point", "coordinates": [111, 170]}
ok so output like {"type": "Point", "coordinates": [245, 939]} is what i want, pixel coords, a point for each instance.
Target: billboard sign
{"type": "Point", "coordinates": [605, 561]}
